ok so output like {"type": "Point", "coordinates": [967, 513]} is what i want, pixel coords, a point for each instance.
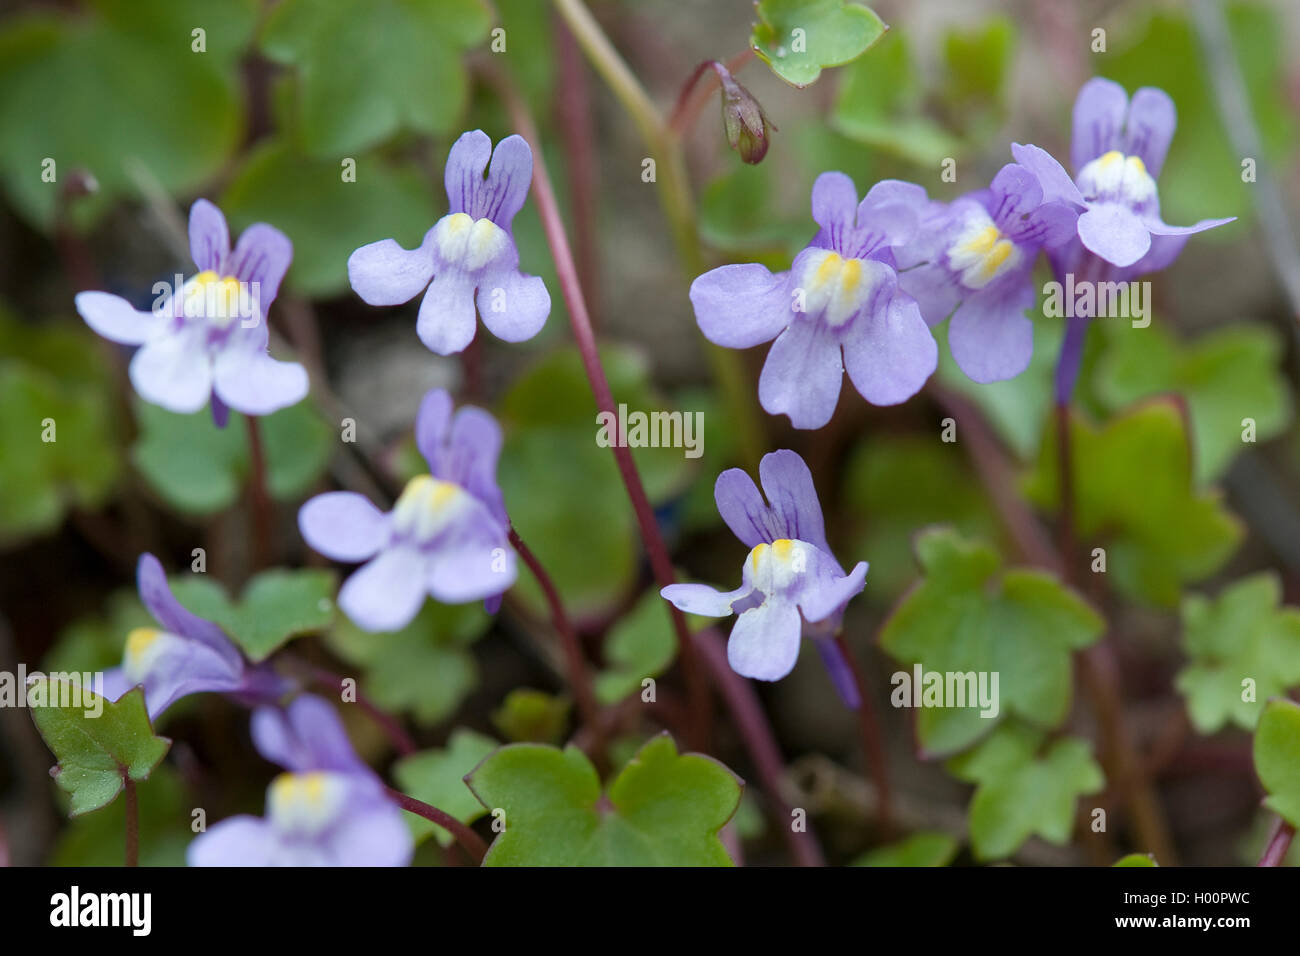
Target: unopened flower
{"type": "Point", "coordinates": [210, 339]}
{"type": "Point", "coordinates": [469, 254]}
{"type": "Point", "coordinates": [838, 308]}
{"type": "Point", "coordinates": [747, 127]}
{"type": "Point", "coordinates": [328, 809]}
{"type": "Point", "coordinates": [976, 256]}
{"type": "Point", "coordinates": [792, 586]}
{"type": "Point", "coordinates": [1117, 150]}
{"type": "Point", "coordinates": [184, 655]}
{"type": "Point", "coordinates": [447, 535]}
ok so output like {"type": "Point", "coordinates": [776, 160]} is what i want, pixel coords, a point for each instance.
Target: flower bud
{"type": "Point", "coordinates": [744, 121]}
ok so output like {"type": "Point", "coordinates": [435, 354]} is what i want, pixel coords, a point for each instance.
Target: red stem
{"type": "Point", "coordinates": [873, 747]}
{"type": "Point", "coordinates": [469, 841]}
{"type": "Point", "coordinates": [1279, 843]}
{"type": "Point", "coordinates": [399, 737]}
{"type": "Point", "coordinates": [261, 499]}
{"type": "Point", "coordinates": [688, 107]}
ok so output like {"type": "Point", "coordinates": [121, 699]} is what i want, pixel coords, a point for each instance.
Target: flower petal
{"type": "Point", "coordinates": [157, 597]}
{"type": "Point", "coordinates": [171, 667]}
{"type": "Point", "coordinates": [802, 375]}
{"type": "Point", "coordinates": [116, 320]}
{"type": "Point", "coordinates": [502, 194]}
{"type": "Point", "coordinates": [376, 835]}
{"type": "Point", "coordinates": [256, 384]}
{"type": "Point", "coordinates": [1055, 181]}
{"type": "Point", "coordinates": [387, 592]}
{"type": "Point", "coordinates": [238, 841]}
{"type": "Point", "coordinates": [1099, 111]}
{"type": "Point", "coordinates": [460, 574]}
{"type": "Point", "coordinates": [343, 525]}
{"type": "Point", "coordinates": [829, 596]}
{"type": "Point", "coordinates": [446, 322]}
{"type": "Point", "coordinates": [764, 642]}
{"type": "Point", "coordinates": [795, 510]}
{"type": "Point", "coordinates": [740, 306]}
{"type": "Point", "coordinates": [463, 174]}
{"type": "Point", "coordinates": [702, 599]}
{"type": "Point", "coordinates": [1149, 127]}
{"type": "Point", "coordinates": [1114, 232]}
{"type": "Point", "coordinates": [1159, 228]}
{"type": "Point", "coordinates": [514, 306]}
{"type": "Point", "coordinates": [209, 237]}
{"type": "Point", "coordinates": [305, 736]}
{"type": "Point", "coordinates": [383, 273]}
{"type": "Point", "coordinates": [990, 337]}
{"type": "Point", "coordinates": [261, 258]}
{"type": "Point", "coordinates": [743, 508]}
{"type": "Point", "coordinates": [834, 200]}
{"type": "Point", "coordinates": [890, 353]}
{"type": "Point", "coordinates": [173, 371]}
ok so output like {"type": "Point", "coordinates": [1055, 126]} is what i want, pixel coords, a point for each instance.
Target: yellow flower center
{"type": "Point", "coordinates": [469, 243]}
{"type": "Point", "coordinates": [426, 506]}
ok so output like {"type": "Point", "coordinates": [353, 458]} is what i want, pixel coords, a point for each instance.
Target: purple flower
{"type": "Point", "coordinates": [447, 535]}
{"type": "Point", "coordinates": [976, 255]}
{"type": "Point", "coordinates": [841, 295]}
{"type": "Point", "coordinates": [329, 809]}
{"type": "Point", "coordinates": [211, 338]}
{"type": "Point", "coordinates": [1117, 150]}
{"type": "Point", "coordinates": [184, 655]}
{"type": "Point", "coordinates": [469, 254]}
{"type": "Point", "coordinates": [792, 586]}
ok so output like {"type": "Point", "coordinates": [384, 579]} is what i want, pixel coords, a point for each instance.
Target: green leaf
{"type": "Point", "coordinates": [200, 469]}
{"type": "Point", "coordinates": [901, 483]}
{"type": "Point", "coordinates": [1277, 758]}
{"type": "Point", "coordinates": [1134, 495]}
{"type": "Point", "coordinates": [1136, 859]}
{"type": "Point", "coordinates": [977, 64]}
{"type": "Point", "coordinates": [97, 749]}
{"type": "Point", "coordinates": [563, 490]}
{"type": "Point", "coordinates": [95, 839]}
{"type": "Point", "coordinates": [642, 644]}
{"type": "Point", "coordinates": [532, 716]}
{"type": "Point", "coordinates": [1024, 789]}
{"type": "Point", "coordinates": [368, 68]}
{"type": "Point", "coordinates": [919, 849]}
{"type": "Point", "coordinates": [800, 38]}
{"type": "Point", "coordinates": [663, 809]}
{"type": "Point", "coordinates": [275, 607]}
{"type": "Point", "coordinates": [107, 90]}
{"type": "Point", "coordinates": [1226, 376]}
{"type": "Point", "coordinates": [438, 778]}
{"type": "Point", "coordinates": [880, 104]}
{"type": "Point", "coordinates": [426, 668]}
{"type": "Point", "coordinates": [963, 617]}
{"type": "Point", "coordinates": [1243, 635]}
{"type": "Point", "coordinates": [324, 216]}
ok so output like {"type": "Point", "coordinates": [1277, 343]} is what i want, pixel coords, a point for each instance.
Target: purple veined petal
{"type": "Point", "coordinates": [702, 599]}
{"type": "Point", "coordinates": [387, 592]}
{"type": "Point", "coordinates": [173, 371]}
{"type": "Point", "coordinates": [892, 211]}
{"type": "Point", "coordinates": [343, 525]}
{"type": "Point", "coordinates": [1015, 193]}
{"type": "Point", "coordinates": [514, 306]}
{"type": "Point", "coordinates": [374, 835]}
{"type": "Point", "coordinates": [1055, 181]}
{"type": "Point", "coordinates": [890, 353]}
{"type": "Point", "coordinates": [447, 320]}
{"type": "Point", "coordinates": [1051, 224]}
{"type": "Point", "coordinates": [307, 735]}
{"type": "Point", "coordinates": [261, 258]}
{"type": "Point", "coordinates": [383, 273]}
{"type": "Point", "coordinates": [829, 595]}
{"type": "Point", "coordinates": [116, 320]}
{"type": "Point", "coordinates": [834, 201]}
{"type": "Point", "coordinates": [1159, 228]}
{"type": "Point", "coordinates": [1115, 233]}
{"type": "Point", "coordinates": [256, 384]}
{"type": "Point", "coordinates": [158, 599]}
{"type": "Point", "coordinates": [209, 237]}
{"type": "Point", "coordinates": [1099, 112]}
{"type": "Point", "coordinates": [171, 667]}
{"type": "Point", "coordinates": [935, 289]}
{"type": "Point", "coordinates": [740, 306]}
{"type": "Point", "coordinates": [990, 337]}
{"type": "Point", "coordinates": [743, 508]}
{"type": "Point", "coordinates": [1149, 127]}
{"type": "Point", "coordinates": [802, 375]}
{"type": "Point", "coordinates": [764, 642]}
{"type": "Point", "coordinates": [795, 508]}
{"type": "Point", "coordinates": [501, 195]}
{"type": "Point", "coordinates": [471, 572]}
{"type": "Point", "coordinates": [473, 453]}
{"type": "Point", "coordinates": [463, 174]}
{"type": "Point", "coordinates": [238, 841]}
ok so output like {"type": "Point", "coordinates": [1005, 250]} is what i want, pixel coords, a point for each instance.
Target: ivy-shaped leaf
{"type": "Point", "coordinates": [425, 669]}
{"type": "Point", "coordinates": [532, 716]}
{"type": "Point", "coordinates": [95, 839]}
{"type": "Point", "coordinates": [201, 469]}
{"type": "Point", "coordinates": [1134, 496]}
{"type": "Point", "coordinates": [919, 849]}
{"type": "Point", "coordinates": [800, 38]}
{"type": "Point", "coordinates": [1024, 788]}
{"type": "Point", "coordinates": [275, 606]}
{"type": "Point", "coordinates": [1243, 635]}
{"type": "Point", "coordinates": [663, 808]}
{"type": "Point", "coordinates": [1277, 758]}
{"type": "Point", "coordinates": [438, 777]}
{"type": "Point", "coordinates": [1136, 860]}
{"type": "Point", "coordinates": [368, 68]}
{"type": "Point", "coordinates": [1227, 376]}
{"type": "Point", "coordinates": [964, 618]}
{"type": "Point", "coordinates": [98, 743]}
{"type": "Point", "coordinates": [642, 644]}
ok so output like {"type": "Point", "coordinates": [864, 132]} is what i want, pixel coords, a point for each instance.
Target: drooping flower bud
{"type": "Point", "coordinates": [747, 126]}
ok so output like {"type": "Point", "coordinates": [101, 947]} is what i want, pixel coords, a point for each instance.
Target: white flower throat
{"type": "Point", "coordinates": [426, 506]}
{"type": "Point", "coordinates": [774, 567]}
{"type": "Point", "coordinates": [1116, 177]}
{"type": "Point", "coordinates": [469, 244]}
{"type": "Point", "coordinates": [835, 287]}
{"type": "Point", "coordinates": [982, 253]}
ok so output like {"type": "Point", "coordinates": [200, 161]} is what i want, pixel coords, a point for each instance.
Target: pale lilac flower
{"type": "Point", "coordinates": [184, 655]}
{"type": "Point", "coordinates": [329, 809]}
{"type": "Point", "coordinates": [1117, 150]}
{"type": "Point", "coordinates": [792, 586]}
{"type": "Point", "coordinates": [838, 308]}
{"type": "Point", "coordinates": [470, 254]}
{"type": "Point", "coordinates": [211, 339]}
{"type": "Point", "coordinates": [447, 535]}
{"type": "Point", "coordinates": [976, 256]}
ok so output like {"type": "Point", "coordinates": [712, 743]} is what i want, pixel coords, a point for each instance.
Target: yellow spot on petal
{"type": "Point", "coordinates": [139, 641]}
{"type": "Point", "coordinates": [782, 548]}
{"type": "Point", "coordinates": [1109, 159]}
{"type": "Point", "coordinates": [828, 270]}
